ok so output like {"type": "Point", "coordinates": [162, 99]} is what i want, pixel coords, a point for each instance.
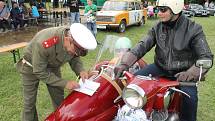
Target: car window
{"type": "Point", "coordinates": [193, 6]}
{"type": "Point", "coordinates": [137, 6]}
{"type": "Point", "coordinates": [115, 6]}
{"type": "Point", "coordinates": [132, 6]}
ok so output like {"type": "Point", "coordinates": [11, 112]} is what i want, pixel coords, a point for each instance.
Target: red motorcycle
{"type": "Point", "coordinates": [154, 99]}
{"type": "Point", "coordinates": [131, 98]}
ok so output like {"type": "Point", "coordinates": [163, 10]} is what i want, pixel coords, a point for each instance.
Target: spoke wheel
{"type": "Point", "coordinates": [122, 27]}
{"type": "Point", "coordinates": [142, 22]}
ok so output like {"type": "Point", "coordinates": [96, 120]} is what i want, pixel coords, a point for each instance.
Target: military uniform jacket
{"type": "Point", "coordinates": [47, 54]}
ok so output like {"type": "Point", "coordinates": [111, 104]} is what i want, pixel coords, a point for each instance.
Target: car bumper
{"type": "Point", "coordinates": [105, 26]}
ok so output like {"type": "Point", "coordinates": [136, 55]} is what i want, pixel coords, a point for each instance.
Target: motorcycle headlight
{"type": "Point", "coordinates": [134, 96]}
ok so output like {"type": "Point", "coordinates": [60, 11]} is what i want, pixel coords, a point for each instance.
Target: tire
{"type": "Point", "coordinates": [142, 22]}
{"type": "Point", "coordinates": [122, 27]}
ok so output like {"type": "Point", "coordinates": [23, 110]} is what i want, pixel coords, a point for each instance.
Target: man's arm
{"type": "Point", "coordinates": [144, 45]}
{"type": "Point", "coordinates": [200, 46]}
{"type": "Point", "coordinates": [76, 65]}
{"type": "Point", "coordinates": [8, 13]}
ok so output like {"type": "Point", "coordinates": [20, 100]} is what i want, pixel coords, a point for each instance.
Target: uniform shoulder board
{"type": "Point", "coordinates": [50, 42]}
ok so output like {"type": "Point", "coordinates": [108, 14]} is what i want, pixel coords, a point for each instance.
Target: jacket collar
{"type": "Point", "coordinates": [180, 21]}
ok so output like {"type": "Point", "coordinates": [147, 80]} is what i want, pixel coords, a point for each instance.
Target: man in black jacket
{"type": "Point", "coordinates": [74, 10]}
{"type": "Point", "coordinates": [179, 43]}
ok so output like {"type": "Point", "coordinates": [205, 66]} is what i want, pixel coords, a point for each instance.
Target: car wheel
{"type": "Point", "coordinates": [142, 22]}
{"type": "Point", "coordinates": [122, 26]}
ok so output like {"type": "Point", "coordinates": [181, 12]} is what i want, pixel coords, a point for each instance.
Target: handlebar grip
{"type": "Point", "coordinates": [188, 83]}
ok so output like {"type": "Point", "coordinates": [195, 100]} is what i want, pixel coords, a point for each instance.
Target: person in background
{"type": "Point", "coordinates": [150, 11]}
{"type": "Point", "coordinates": [211, 5]}
{"type": "Point", "coordinates": [17, 16]}
{"type": "Point", "coordinates": [74, 10]}
{"type": "Point", "coordinates": [206, 5]}
{"type": "Point", "coordinates": [46, 53]}
{"type": "Point", "coordinates": [25, 12]}
{"type": "Point", "coordinates": [34, 11]}
{"type": "Point", "coordinates": [90, 13]}
{"type": "Point", "coordinates": [179, 43]}
{"type": "Point", "coordinates": [21, 2]}
{"type": "Point", "coordinates": [4, 17]}
{"type": "Point", "coordinates": [40, 5]}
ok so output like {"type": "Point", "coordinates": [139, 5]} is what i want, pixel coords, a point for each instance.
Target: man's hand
{"type": "Point", "coordinates": [84, 75]}
{"type": "Point", "coordinates": [118, 70]}
{"type": "Point", "coordinates": [127, 60]}
{"type": "Point", "coordinates": [192, 74]}
{"type": "Point", "coordinates": [90, 11]}
{"type": "Point", "coordinates": [5, 18]}
{"type": "Point", "coordinates": [72, 85]}
{"type": "Point", "coordinates": [186, 76]}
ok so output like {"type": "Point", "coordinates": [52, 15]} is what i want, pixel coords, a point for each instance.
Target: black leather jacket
{"type": "Point", "coordinates": [176, 48]}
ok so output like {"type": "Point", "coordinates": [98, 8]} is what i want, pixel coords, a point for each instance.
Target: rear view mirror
{"type": "Point", "coordinates": [204, 63]}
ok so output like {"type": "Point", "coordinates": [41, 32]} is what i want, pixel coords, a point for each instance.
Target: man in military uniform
{"type": "Point", "coordinates": [43, 57]}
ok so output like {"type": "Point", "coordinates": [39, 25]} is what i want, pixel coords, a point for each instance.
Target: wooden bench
{"type": "Point", "coordinates": [14, 49]}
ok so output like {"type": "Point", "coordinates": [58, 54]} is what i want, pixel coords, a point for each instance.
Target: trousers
{"type": "Point", "coordinates": [75, 17]}
{"type": "Point", "coordinates": [30, 89]}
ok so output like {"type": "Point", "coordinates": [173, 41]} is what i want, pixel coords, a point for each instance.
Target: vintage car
{"type": "Point", "coordinates": [187, 13]}
{"type": "Point", "coordinates": [211, 10]}
{"type": "Point", "coordinates": [198, 10]}
{"type": "Point", "coordinates": [119, 14]}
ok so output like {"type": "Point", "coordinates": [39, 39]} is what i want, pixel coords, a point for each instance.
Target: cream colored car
{"type": "Point", "coordinates": [119, 14]}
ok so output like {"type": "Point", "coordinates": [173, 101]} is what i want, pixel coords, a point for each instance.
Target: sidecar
{"type": "Point", "coordinates": [99, 107]}
{"type": "Point", "coordinates": [105, 102]}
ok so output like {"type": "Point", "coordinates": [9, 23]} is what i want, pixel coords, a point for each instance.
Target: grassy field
{"type": "Point", "coordinates": [11, 83]}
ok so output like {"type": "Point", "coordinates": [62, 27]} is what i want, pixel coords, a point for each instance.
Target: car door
{"type": "Point", "coordinates": [132, 13]}
{"type": "Point", "coordinates": [139, 12]}
{"type": "Point", "coordinates": [135, 13]}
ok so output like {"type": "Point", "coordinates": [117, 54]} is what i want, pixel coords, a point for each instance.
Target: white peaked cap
{"type": "Point", "coordinates": [83, 36]}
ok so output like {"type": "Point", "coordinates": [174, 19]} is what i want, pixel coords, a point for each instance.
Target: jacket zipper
{"type": "Point", "coordinates": [170, 48]}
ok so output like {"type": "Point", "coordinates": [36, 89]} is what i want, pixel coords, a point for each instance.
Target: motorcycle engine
{"type": "Point", "coordinates": [159, 115]}
{"type": "Point", "coordinates": [128, 114]}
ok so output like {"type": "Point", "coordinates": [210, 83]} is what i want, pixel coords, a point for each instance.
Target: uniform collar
{"type": "Point", "coordinates": [180, 20]}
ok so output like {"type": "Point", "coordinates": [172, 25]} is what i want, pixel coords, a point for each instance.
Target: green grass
{"type": "Point", "coordinates": [11, 83]}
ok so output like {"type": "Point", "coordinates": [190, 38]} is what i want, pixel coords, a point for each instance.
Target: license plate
{"type": "Point", "coordinates": [101, 27]}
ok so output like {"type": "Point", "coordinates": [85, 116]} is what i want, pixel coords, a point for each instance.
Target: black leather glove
{"type": "Point", "coordinates": [192, 74]}
{"type": "Point", "coordinates": [186, 76]}
{"type": "Point", "coordinates": [118, 70]}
